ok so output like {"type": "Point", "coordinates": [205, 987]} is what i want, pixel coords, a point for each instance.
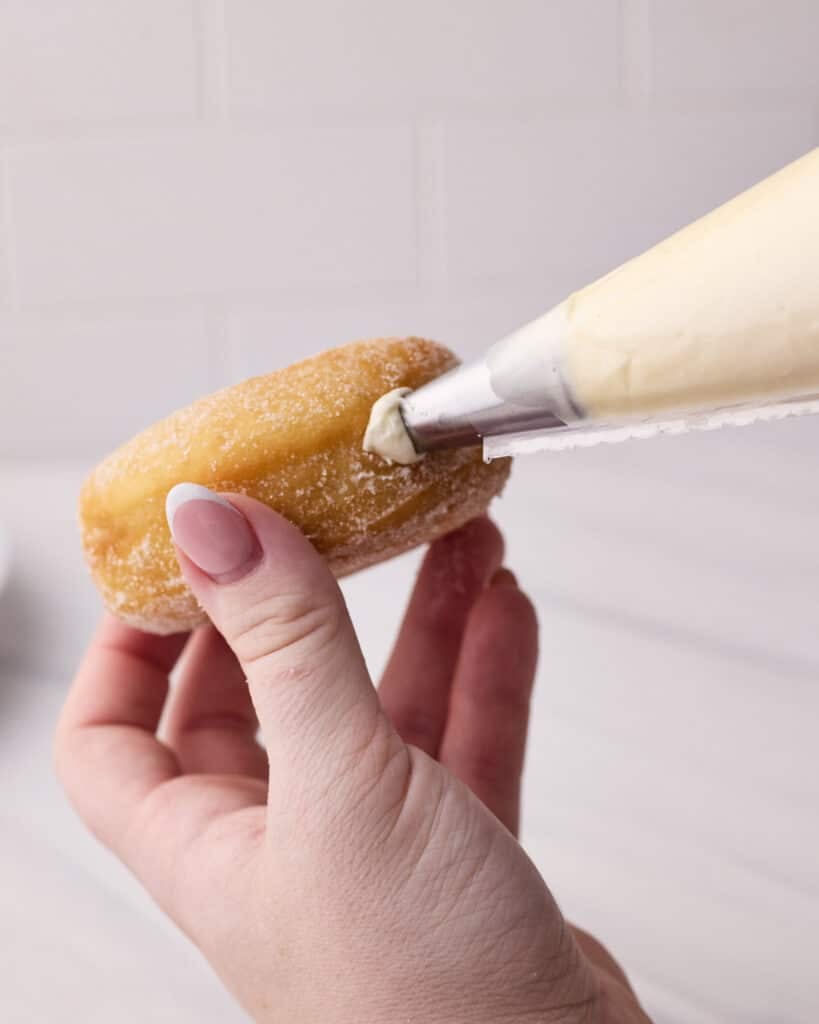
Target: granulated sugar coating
{"type": "Point", "coordinates": [291, 439]}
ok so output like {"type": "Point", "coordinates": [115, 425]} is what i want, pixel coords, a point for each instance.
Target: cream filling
{"type": "Point", "coordinates": [386, 434]}
{"type": "Point", "coordinates": [724, 311]}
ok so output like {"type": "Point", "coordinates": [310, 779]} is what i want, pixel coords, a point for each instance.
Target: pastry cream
{"type": "Point", "coordinates": [386, 435]}
{"type": "Point", "coordinates": [724, 311]}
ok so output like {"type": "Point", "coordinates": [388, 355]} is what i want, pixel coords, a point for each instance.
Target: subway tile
{"type": "Point", "coordinates": [80, 386]}
{"type": "Point", "coordinates": [368, 53]}
{"type": "Point", "coordinates": [267, 340]}
{"type": "Point", "coordinates": [264, 340]}
{"type": "Point", "coordinates": [736, 46]}
{"type": "Point", "coordinates": [94, 59]}
{"type": "Point", "coordinates": [537, 195]}
{"type": "Point", "coordinates": [208, 213]}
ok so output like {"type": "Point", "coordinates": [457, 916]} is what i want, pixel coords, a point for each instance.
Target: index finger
{"type": "Point", "coordinates": [107, 754]}
{"type": "Point", "coordinates": [415, 689]}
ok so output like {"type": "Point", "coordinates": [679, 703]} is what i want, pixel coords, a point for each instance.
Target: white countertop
{"type": "Point", "coordinates": [672, 797]}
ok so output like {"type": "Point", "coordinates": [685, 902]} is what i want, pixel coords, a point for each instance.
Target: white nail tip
{"type": "Point", "coordinates": [182, 493]}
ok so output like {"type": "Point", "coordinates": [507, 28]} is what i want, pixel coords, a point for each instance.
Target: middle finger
{"type": "Point", "coordinates": [416, 684]}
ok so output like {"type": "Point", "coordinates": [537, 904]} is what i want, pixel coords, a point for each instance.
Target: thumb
{"type": "Point", "coordinates": [272, 596]}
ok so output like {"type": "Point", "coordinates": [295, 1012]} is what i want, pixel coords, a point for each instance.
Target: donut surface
{"type": "Point", "coordinates": [291, 439]}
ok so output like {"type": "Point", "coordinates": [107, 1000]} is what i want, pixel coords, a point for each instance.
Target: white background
{"type": "Point", "coordinates": [191, 192]}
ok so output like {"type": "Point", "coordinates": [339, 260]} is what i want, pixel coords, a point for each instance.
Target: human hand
{"type": "Point", "coordinates": [364, 868]}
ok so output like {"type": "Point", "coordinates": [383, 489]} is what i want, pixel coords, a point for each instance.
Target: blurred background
{"type": "Point", "coordinates": [194, 191]}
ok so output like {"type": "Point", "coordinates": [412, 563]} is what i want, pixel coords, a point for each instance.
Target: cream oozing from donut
{"type": "Point", "coordinates": [386, 434]}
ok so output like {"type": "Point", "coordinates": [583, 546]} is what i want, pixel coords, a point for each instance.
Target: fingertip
{"type": "Point", "coordinates": [283, 544]}
{"type": "Point", "coordinates": [463, 561]}
{"type": "Point", "coordinates": [504, 578]}
{"type": "Point", "coordinates": [482, 531]}
{"type": "Point", "coordinates": [226, 538]}
{"type": "Point", "coordinates": [479, 533]}
{"type": "Point", "coordinates": [182, 493]}
{"type": "Point", "coordinates": [504, 596]}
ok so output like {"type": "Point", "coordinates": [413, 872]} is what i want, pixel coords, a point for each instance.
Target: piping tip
{"type": "Point", "coordinates": [460, 408]}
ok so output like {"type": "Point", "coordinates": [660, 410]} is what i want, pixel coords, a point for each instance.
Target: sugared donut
{"type": "Point", "coordinates": [292, 439]}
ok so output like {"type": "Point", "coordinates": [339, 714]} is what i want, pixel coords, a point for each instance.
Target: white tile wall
{"type": "Point", "coordinates": [361, 53]}
{"type": "Point", "coordinates": [469, 320]}
{"type": "Point", "coordinates": [6, 258]}
{"type": "Point", "coordinates": [211, 212]}
{"type": "Point", "coordinates": [87, 383]}
{"type": "Point", "coordinates": [739, 47]}
{"type": "Point", "coordinates": [96, 59]}
{"type": "Point", "coordinates": [524, 196]}
{"type": "Point", "coordinates": [197, 190]}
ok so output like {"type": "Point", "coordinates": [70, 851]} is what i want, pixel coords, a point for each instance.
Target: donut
{"type": "Point", "coordinates": [293, 440]}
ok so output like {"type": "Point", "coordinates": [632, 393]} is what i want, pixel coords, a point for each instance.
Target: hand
{"type": "Point", "coordinates": [364, 868]}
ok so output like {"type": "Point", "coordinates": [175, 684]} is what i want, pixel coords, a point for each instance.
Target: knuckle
{"type": "Point", "coordinates": [151, 814]}
{"type": "Point", "coordinates": [294, 622]}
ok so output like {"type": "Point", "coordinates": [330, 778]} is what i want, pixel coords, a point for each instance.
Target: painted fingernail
{"type": "Point", "coordinates": [211, 532]}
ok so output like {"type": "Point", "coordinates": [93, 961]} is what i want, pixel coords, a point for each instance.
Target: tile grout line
{"type": "Point", "coordinates": [214, 109]}
{"type": "Point", "coordinates": [212, 61]}
{"type": "Point", "coordinates": [430, 249]}
{"type": "Point", "coordinates": [8, 246]}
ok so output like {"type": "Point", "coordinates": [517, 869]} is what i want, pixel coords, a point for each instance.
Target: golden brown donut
{"type": "Point", "coordinates": [291, 439]}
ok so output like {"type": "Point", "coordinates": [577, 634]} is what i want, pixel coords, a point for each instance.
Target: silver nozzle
{"type": "Point", "coordinates": [518, 386]}
{"type": "Point", "coordinates": [460, 408]}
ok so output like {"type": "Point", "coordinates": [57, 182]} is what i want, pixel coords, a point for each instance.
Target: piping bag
{"type": "Point", "coordinates": [717, 325]}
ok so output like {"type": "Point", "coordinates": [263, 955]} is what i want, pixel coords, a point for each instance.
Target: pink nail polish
{"type": "Point", "coordinates": [211, 532]}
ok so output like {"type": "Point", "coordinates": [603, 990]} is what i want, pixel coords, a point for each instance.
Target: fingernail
{"type": "Point", "coordinates": [211, 532]}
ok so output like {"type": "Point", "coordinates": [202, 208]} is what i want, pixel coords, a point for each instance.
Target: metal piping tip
{"type": "Point", "coordinates": [460, 408]}
{"type": "Point", "coordinates": [518, 386]}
